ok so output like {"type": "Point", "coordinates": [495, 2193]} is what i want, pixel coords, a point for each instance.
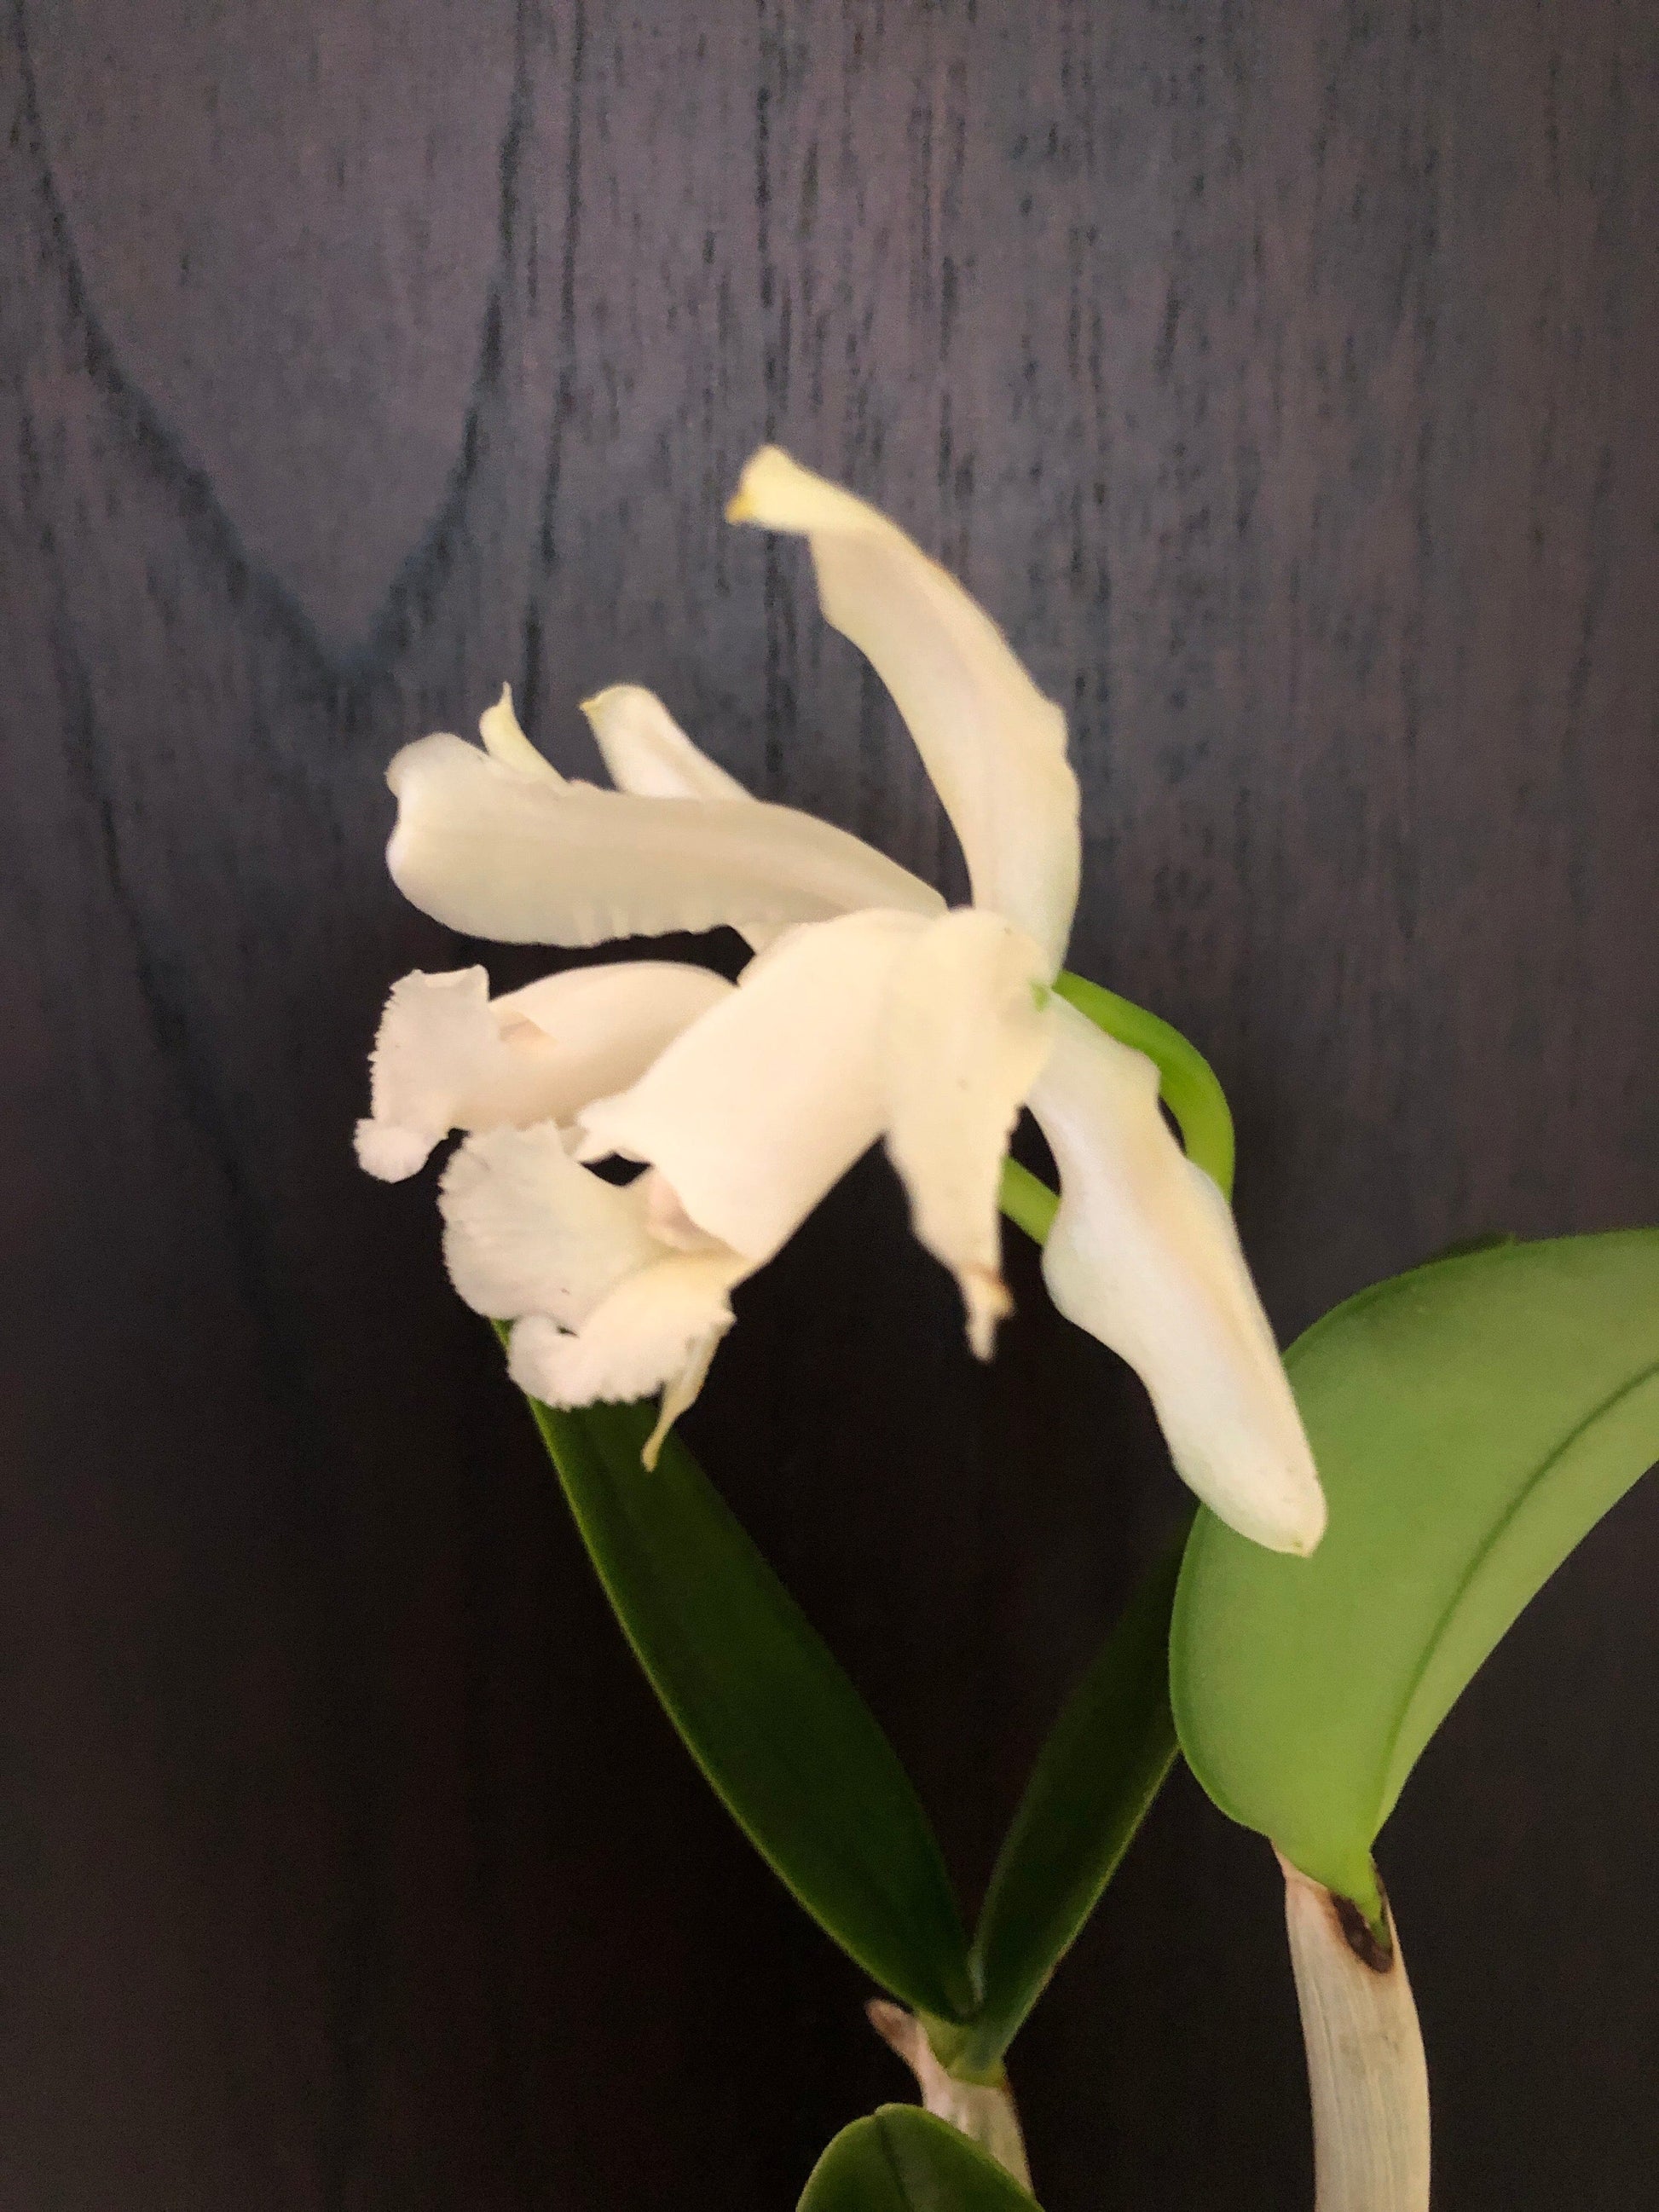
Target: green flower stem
{"type": "Point", "coordinates": [1028, 1201]}
{"type": "Point", "coordinates": [1187, 1082]}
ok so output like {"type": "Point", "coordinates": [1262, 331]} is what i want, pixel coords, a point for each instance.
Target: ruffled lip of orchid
{"type": "Point", "coordinates": [526, 859]}
{"type": "Point", "coordinates": [392, 1153]}
{"type": "Point", "coordinates": [602, 1308]}
{"type": "Point", "coordinates": [643, 1334]}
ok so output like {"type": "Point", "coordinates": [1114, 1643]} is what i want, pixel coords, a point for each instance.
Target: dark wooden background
{"type": "Point", "coordinates": [1283, 376]}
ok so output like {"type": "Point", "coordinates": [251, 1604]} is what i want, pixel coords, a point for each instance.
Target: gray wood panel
{"type": "Point", "coordinates": [1282, 377]}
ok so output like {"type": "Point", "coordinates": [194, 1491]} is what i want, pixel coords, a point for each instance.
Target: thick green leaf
{"type": "Point", "coordinates": [902, 2160]}
{"type": "Point", "coordinates": [783, 1736]}
{"type": "Point", "coordinates": [1105, 1761]}
{"type": "Point", "coordinates": [1472, 1421]}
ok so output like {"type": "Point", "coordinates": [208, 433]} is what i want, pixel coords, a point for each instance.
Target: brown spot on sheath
{"type": "Point", "coordinates": [1373, 1950]}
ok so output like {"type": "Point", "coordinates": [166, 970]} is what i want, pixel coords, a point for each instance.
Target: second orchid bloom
{"type": "Point", "coordinates": [870, 1012]}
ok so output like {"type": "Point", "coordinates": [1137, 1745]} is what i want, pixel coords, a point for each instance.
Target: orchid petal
{"type": "Point", "coordinates": [448, 1057]}
{"type": "Point", "coordinates": [1145, 1255]}
{"type": "Point", "coordinates": [527, 1230]}
{"type": "Point", "coordinates": [601, 1308]}
{"type": "Point", "coordinates": [995, 747]}
{"type": "Point", "coordinates": [495, 852]}
{"type": "Point", "coordinates": [503, 740]}
{"type": "Point", "coordinates": [649, 755]}
{"type": "Point", "coordinates": [647, 752]}
{"type": "Point", "coordinates": [682, 1389]}
{"type": "Point", "coordinates": [758, 1108]}
{"type": "Point", "coordinates": [657, 1330]}
{"type": "Point", "coordinates": [967, 1034]}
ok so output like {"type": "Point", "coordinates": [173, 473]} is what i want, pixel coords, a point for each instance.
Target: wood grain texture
{"type": "Point", "coordinates": [1281, 373]}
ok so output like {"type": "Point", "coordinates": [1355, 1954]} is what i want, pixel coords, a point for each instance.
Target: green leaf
{"type": "Point", "coordinates": [786, 1741]}
{"type": "Point", "coordinates": [1472, 1421]}
{"type": "Point", "coordinates": [902, 2160]}
{"type": "Point", "coordinates": [1187, 1083]}
{"type": "Point", "coordinates": [1094, 1781]}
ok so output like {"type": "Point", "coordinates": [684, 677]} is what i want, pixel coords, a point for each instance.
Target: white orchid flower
{"type": "Point", "coordinates": [870, 1013]}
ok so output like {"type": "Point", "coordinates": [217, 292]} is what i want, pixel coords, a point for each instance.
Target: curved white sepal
{"type": "Point", "coordinates": [448, 1056]}
{"type": "Point", "coordinates": [995, 747]}
{"type": "Point", "coordinates": [1145, 1255]}
{"type": "Point", "coordinates": [967, 1034]}
{"type": "Point", "coordinates": [503, 740]}
{"type": "Point", "coordinates": [1367, 2076]}
{"type": "Point", "coordinates": [983, 2110]}
{"type": "Point", "coordinates": [647, 753]}
{"type": "Point", "coordinates": [496, 852]}
{"type": "Point", "coordinates": [759, 1109]}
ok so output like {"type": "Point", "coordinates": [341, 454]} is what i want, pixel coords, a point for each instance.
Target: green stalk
{"type": "Point", "coordinates": [1186, 1084]}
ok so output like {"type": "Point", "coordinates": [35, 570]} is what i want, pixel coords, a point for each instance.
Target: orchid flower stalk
{"type": "Point", "coordinates": [870, 1013]}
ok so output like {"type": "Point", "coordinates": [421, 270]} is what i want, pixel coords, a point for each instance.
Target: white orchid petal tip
{"type": "Point", "coordinates": [392, 1154]}
{"type": "Point", "coordinates": [504, 741]}
{"type": "Point", "coordinates": [988, 1301]}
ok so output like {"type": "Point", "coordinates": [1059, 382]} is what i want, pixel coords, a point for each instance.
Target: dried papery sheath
{"type": "Point", "coordinates": [982, 2110]}
{"type": "Point", "coordinates": [1366, 2073]}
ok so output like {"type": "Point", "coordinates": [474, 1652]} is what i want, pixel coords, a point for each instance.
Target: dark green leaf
{"type": "Point", "coordinates": [785, 1739]}
{"type": "Point", "coordinates": [1096, 1777]}
{"type": "Point", "coordinates": [1472, 1421]}
{"type": "Point", "coordinates": [902, 2160]}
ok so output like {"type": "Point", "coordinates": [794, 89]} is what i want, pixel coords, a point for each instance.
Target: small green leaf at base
{"type": "Point", "coordinates": [1472, 1421]}
{"type": "Point", "coordinates": [787, 1743]}
{"type": "Point", "coordinates": [902, 2160]}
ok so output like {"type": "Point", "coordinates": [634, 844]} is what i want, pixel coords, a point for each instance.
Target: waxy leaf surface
{"type": "Point", "coordinates": [902, 2160]}
{"type": "Point", "coordinates": [788, 1744]}
{"type": "Point", "coordinates": [1472, 1421]}
{"type": "Point", "coordinates": [1095, 1779]}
